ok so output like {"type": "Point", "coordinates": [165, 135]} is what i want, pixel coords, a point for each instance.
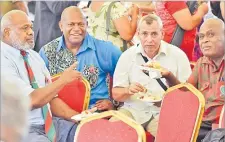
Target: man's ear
{"type": "Point", "coordinates": [163, 34]}
{"type": "Point", "coordinates": [60, 26]}
{"type": "Point", "coordinates": [86, 23]}
{"type": "Point", "coordinates": [138, 34]}
{"type": "Point", "coordinates": [6, 32]}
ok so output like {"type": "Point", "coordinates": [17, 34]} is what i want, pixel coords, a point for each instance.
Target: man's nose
{"type": "Point", "coordinates": [30, 32]}
{"type": "Point", "coordinates": [149, 38]}
{"type": "Point", "coordinates": [76, 27]}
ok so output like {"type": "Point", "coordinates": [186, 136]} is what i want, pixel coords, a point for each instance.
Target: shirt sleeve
{"type": "Point", "coordinates": [9, 69]}
{"type": "Point", "coordinates": [174, 6]}
{"type": "Point", "coordinates": [118, 10]}
{"type": "Point", "coordinates": [44, 57]}
{"type": "Point", "coordinates": [108, 56]}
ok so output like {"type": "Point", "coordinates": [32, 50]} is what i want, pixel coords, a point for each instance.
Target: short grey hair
{"type": "Point", "coordinates": [14, 108]}
{"type": "Point", "coordinates": [5, 22]}
{"type": "Point", "coordinates": [7, 18]}
{"type": "Point", "coordinates": [149, 19]}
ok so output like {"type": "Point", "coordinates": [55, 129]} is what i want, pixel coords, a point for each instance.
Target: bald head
{"type": "Point", "coordinates": [13, 17]}
{"type": "Point", "coordinates": [73, 24]}
{"type": "Point", "coordinates": [69, 11]}
{"type": "Point", "coordinates": [16, 30]}
{"type": "Point", "coordinates": [213, 23]}
{"type": "Point", "coordinates": [211, 38]}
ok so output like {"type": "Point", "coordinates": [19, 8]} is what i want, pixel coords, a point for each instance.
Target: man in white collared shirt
{"type": "Point", "coordinates": [17, 37]}
{"type": "Point", "coordinates": [129, 79]}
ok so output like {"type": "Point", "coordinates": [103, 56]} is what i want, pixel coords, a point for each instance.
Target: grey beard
{"type": "Point", "coordinates": [16, 43]}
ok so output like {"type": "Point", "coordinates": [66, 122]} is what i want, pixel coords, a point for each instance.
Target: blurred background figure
{"type": "Point", "coordinates": [46, 22]}
{"type": "Point", "coordinates": [177, 12]}
{"type": "Point", "coordinates": [123, 22]}
{"type": "Point", "coordinates": [31, 6]}
{"type": "Point", "coordinates": [6, 6]}
{"type": "Point", "coordinates": [145, 7]}
{"type": "Point", "coordinates": [14, 112]}
{"type": "Point", "coordinates": [218, 8]}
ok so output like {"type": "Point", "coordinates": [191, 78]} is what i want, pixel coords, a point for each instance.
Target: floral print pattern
{"type": "Point", "coordinates": [97, 23]}
{"type": "Point", "coordinates": [91, 73]}
{"type": "Point", "coordinates": [59, 61]}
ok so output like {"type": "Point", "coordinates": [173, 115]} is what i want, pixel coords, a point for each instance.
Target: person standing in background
{"type": "Point", "coordinates": [6, 6]}
{"type": "Point", "coordinates": [177, 13]}
{"type": "Point", "coordinates": [123, 23]}
{"type": "Point", "coordinates": [145, 7]}
{"type": "Point", "coordinates": [218, 9]}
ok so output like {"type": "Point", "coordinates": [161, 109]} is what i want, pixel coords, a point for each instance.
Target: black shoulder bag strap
{"type": "Point", "coordinates": [108, 16]}
{"type": "Point", "coordinates": [158, 80]}
{"type": "Point", "coordinates": [89, 3]}
{"type": "Point", "coordinates": [178, 34]}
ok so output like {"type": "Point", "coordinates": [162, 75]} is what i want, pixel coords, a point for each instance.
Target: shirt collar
{"type": "Point", "coordinates": [61, 44]}
{"type": "Point", "coordinates": [12, 50]}
{"type": "Point", "coordinates": [87, 43]}
{"type": "Point", "coordinates": [162, 49]}
{"type": "Point", "coordinates": [206, 60]}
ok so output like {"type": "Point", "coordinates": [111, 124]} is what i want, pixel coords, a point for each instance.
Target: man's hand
{"type": "Point", "coordinates": [165, 73]}
{"type": "Point", "coordinates": [133, 10]}
{"type": "Point", "coordinates": [158, 104]}
{"type": "Point", "coordinates": [70, 74]}
{"type": "Point", "coordinates": [135, 88]}
{"type": "Point", "coordinates": [203, 7]}
{"type": "Point", "coordinates": [104, 105]}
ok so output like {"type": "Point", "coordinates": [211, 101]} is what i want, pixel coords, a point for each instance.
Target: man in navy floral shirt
{"type": "Point", "coordinates": [96, 59]}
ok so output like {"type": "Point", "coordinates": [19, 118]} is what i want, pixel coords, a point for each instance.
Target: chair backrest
{"type": "Point", "coordinates": [99, 129]}
{"type": "Point", "coordinates": [222, 119]}
{"type": "Point", "coordinates": [181, 114]}
{"type": "Point", "coordinates": [75, 94]}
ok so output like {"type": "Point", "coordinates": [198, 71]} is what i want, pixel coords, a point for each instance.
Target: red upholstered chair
{"type": "Point", "coordinates": [75, 94]}
{"type": "Point", "coordinates": [149, 137]}
{"type": "Point", "coordinates": [222, 119]}
{"type": "Point", "coordinates": [181, 114]}
{"type": "Point", "coordinates": [98, 129]}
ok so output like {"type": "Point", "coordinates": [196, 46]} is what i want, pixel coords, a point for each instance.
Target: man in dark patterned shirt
{"type": "Point", "coordinates": [96, 59]}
